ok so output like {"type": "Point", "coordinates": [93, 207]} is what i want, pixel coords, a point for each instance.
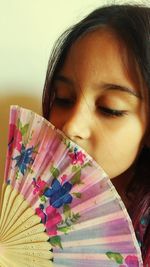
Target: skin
{"type": "Point", "coordinates": [98, 104]}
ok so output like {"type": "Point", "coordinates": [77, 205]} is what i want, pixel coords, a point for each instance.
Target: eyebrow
{"type": "Point", "coordinates": [105, 86]}
{"type": "Point", "coordinates": [122, 88]}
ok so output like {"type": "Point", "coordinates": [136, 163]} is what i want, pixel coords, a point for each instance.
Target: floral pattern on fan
{"type": "Point", "coordinates": [24, 156]}
{"type": "Point", "coordinates": [129, 261]}
{"type": "Point", "coordinates": [58, 195]}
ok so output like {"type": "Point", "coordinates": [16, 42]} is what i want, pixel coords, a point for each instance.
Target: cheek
{"type": "Point", "coordinates": [117, 160]}
{"type": "Point", "coordinates": [118, 149]}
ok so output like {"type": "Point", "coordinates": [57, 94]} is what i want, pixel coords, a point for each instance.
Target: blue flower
{"type": "Point", "coordinates": [24, 158]}
{"type": "Point", "coordinates": [59, 194]}
{"type": "Point", "coordinates": [145, 220]}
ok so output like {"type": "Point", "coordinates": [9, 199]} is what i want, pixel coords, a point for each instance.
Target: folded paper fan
{"type": "Point", "coordinates": [58, 207]}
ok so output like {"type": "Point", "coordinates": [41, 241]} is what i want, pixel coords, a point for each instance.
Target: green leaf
{"type": "Point", "coordinates": [67, 142]}
{"type": "Point", "coordinates": [64, 229]}
{"type": "Point", "coordinates": [54, 171]}
{"type": "Point", "coordinates": [76, 178]}
{"type": "Point", "coordinates": [30, 170]}
{"type": "Point", "coordinates": [43, 198]}
{"type": "Point", "coordinates": [87, 164]}
{"type": "Point", "coordinates": [17, 174]}
{"type": "Point", "coordinates": [117, 257]}
{"type": "Point", "coordinates": [67, 211]}
{"type": "Point", "coordinates": [68, 145]}
{"type": "Point", "coordinates": [77, 195]}
{"type": "Point", "coordinates": [71, 149]}
{"type": "Point", "coordinates": [36, 148]}
{"type": "Point", "coordinates": [55, 241]}
{"type": "Point", "coordinates": [76, 168]}
{"type": "Point", "coordinates": [24, 129]}
{"type": "Point", "coordinates": [75, 217]}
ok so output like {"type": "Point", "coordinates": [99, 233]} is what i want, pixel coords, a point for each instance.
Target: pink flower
{"type": "Point", "coordinates": [50, 219]}
{"type": "Point", "coordinates": [63, 178]}
{"type": "Point", "coordinates": [77, 158]}
{"type": "Point", "coordinates": [41, 214]}
{"type": "Point", "coordinates": [39, 186]}
{"type": "Point", "coordinates": [132, 261]}
{"type": "Point", "coordinates": [15, 138]}
{"type": "Point", "coordinates": [53, 218]}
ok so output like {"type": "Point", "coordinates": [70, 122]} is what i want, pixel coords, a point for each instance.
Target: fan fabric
{"type": "Point", "coordinates": [58, 207]}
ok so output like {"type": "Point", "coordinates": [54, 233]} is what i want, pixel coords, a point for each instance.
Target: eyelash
{"type": "Point", "coordinates": [112, 112]}
{"type": "Point", "coordinates": [108, 112]}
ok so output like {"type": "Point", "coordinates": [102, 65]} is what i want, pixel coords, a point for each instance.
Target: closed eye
{"type": "Point", "coordinates": [63, 102]}
{"type": "Point", "coordinates": [112, 112]}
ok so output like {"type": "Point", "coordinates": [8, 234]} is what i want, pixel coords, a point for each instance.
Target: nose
{"type": "Point", "coordinates": [78, 124]}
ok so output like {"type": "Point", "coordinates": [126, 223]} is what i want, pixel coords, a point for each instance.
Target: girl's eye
{"type": "Point", "coordinates": [112, 112]}
{"type": "Point", "coordinates": [63, 102]}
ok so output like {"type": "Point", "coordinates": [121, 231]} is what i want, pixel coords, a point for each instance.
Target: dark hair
{"type": "Point", "coordinates": [131, 23]}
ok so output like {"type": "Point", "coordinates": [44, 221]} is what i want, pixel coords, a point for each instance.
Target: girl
{"type": "Point", "coordinates": [97, 91]}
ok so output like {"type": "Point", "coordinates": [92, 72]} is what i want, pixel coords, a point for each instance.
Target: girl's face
{"type": "Point", "coordinates": [98, 104]}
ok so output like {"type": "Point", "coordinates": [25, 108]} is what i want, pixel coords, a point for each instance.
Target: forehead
{"type": "Point", "coordinates": [100, 54]}
{"type": "Point", "coordinates": [94, 46]}
{"type": "Point", "coordinates": [96, 42]}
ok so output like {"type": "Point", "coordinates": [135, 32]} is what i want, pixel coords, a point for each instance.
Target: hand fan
{"type": "Point", "coordinates": [58, 207]}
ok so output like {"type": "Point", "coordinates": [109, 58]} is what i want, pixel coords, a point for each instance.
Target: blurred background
{"type": "Point", "coordinates": [28, 30]}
